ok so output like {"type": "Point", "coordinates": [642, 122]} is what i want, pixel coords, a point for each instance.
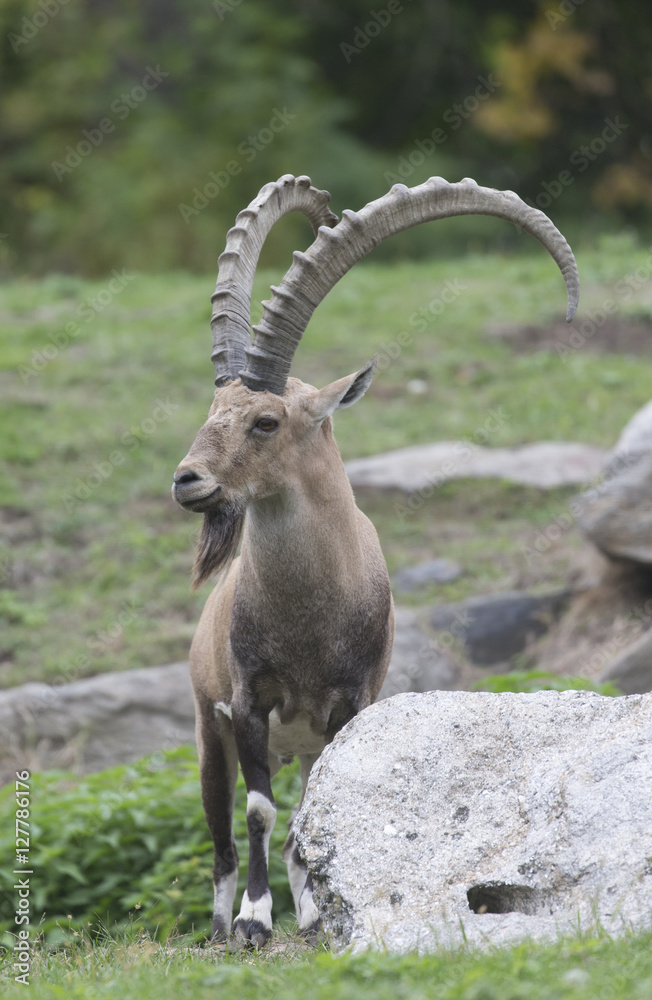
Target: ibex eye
{"type": "Point", "coordinates": [267, 424]}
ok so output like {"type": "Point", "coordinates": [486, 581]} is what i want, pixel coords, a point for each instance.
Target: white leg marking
{"type": "Point", "coordinates": [307, 913]}
{"type": "Point", "coordinates": [257, 802]}
{"type": "Point", "coordinates": [260, 910]}
{"type": "Point", "coordinates": [296, 876]}
{"type": "Point", "coordinates": [221, 706]}
{"type": "Point", "coordinates": [304, 904]}
{"type": "Point", "coordinates": [224, 894]}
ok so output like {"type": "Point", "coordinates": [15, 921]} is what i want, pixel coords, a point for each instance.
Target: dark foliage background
{"type": "Point", "coordinates": [349, 93]}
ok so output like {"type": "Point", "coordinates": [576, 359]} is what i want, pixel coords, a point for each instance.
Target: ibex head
{"type": "Point", "coordinates": [256, 445]}
{"type": "Point", "coordinates": [263, 426]}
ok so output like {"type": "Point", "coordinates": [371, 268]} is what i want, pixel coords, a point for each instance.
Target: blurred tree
{"type": "Point", "coordinates": [565, 68]}
{"type": "Point", "coordinates": [576, 99]}
{"type": "Point", "coordinates": [133, 133]}
{"type": "Point", "coordinates": [115, 117]}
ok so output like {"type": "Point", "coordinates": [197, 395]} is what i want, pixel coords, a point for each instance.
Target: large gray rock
{"type": "Point", "coordinates": [450, 816]}
{"type": "Point", "coordinates": [417, 664]}
{"type": "Point", "coordinates": [617, 513]}
{"type": "Point", "coordinates": [97, 722]}
{"type": "Point", "coordinates": [420, 469]}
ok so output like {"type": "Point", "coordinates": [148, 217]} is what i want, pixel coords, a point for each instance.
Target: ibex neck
{"type": "Point", "coordinates": [308, 530]}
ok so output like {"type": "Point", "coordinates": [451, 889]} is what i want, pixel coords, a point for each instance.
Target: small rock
{"type": "Point", "coordinates": [631, 671]}
{"type": "Point", "coordinates": [420, 469]}
{"type": "Point", "coordinates": [616, 514]}
{"type": "Point", "coordinates": [433, 571]}
{"type": "Point", "coordinates": [636, 435]}
{"type": "Point", "coordinates": [492, 629]}
{"type": "Point", "coordinates": [416, 663]}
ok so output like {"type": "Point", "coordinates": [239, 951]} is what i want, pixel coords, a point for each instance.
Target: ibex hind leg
{"type": "Point", "coordinates": [218, 771]}
{"type": "Point", "coordinates": [298, 875]}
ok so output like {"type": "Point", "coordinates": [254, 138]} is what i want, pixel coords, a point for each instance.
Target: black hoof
{"type": "Point", "coordinates": [219, 933]}
{"type": "Point", "coordinates": [218, 944]}
{"type": "Point", "coordinates": [310, 934]}
{"type": "Point", "coordinates": [250, 934]}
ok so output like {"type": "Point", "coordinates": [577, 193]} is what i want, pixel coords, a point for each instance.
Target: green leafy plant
{"type": "Point", "coordinates": [527, 681]}
{"type": "Point", "coordinates": [129, 845]}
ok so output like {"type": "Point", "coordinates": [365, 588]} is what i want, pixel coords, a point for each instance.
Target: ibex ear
{"type": "Point", "coordinates": [345, 392]}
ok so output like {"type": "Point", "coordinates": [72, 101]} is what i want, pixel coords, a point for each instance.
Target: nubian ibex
{"type": "Point", "coordinates": [296, 636]}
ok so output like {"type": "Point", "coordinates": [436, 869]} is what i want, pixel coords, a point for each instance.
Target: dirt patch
{"type": "Point", "coordinates": [19, 526]}
{"type": "Point", "coordinates": [614, 336]}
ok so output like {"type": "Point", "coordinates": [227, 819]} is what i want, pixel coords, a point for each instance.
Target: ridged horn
{"type": "Point", "coordinates": [231, 322]}
{"type": "Point", "coordinates": [335, 251]}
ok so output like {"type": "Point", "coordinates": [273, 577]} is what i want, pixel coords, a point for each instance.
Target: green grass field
{"type": "Point", "coordinates": [103, 386]}
{"type": "Point", "coordinates": [590, 967]}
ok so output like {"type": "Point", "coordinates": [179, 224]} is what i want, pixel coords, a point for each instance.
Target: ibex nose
{"type": "Point", "coordinates": [195, 489]}
{"type": "Point", "coordinates": [186, 477]}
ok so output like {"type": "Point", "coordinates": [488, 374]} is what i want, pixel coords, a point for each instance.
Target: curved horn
{"type": "Point", "coordinates": [231, 322]}
{"type": "Point", "coordinates": [335, 251]}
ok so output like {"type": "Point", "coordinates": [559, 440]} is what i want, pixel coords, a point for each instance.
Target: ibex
{"type": "Point", "coordinates": [296, 636]}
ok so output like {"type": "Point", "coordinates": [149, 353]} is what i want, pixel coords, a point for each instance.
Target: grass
{"type": "Point", "coordinates": [486, 525]}
{"type": "Point", "coordinates": [588, 967]}
{"type": "Point", "coordinates": [94, 555]}
{"type": "Point", "coordinates": [149, 814]}
{"type": "Point", "coordinates": [71, 957]}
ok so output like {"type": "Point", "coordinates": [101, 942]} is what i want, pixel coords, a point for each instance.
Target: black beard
{"type": "Point", "coordinates": [218, 540]}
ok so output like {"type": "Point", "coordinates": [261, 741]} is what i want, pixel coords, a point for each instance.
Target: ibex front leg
{"type": "Point", "coordinates": [253, 925]}
{"type": "Point", "coordinates": [218, 769]}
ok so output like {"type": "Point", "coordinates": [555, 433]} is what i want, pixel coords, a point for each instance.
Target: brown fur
{"type": "Point", "coordinates": [295, 637]}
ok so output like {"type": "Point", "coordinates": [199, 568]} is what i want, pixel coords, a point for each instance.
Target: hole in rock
{"type": "Point", "coordinates": [498, 897]}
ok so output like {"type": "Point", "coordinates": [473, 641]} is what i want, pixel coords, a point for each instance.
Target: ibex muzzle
{"type": "Point", "coordinates": [296, 636]}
